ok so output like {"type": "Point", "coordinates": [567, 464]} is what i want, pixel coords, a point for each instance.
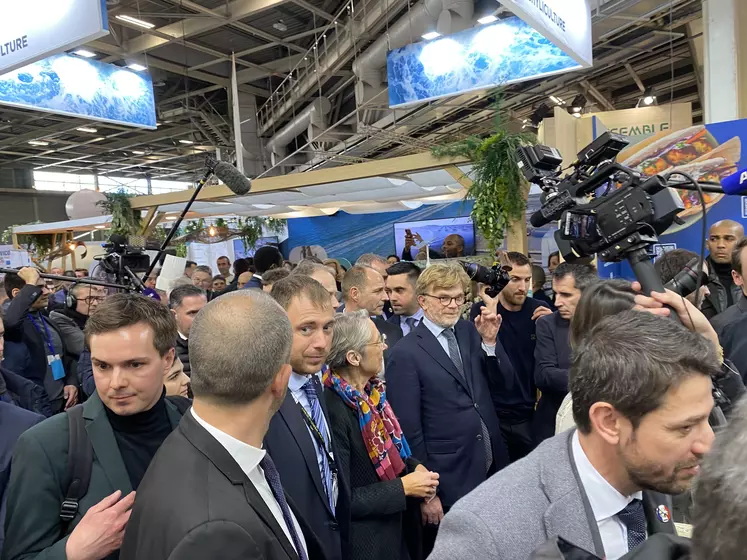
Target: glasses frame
{"type": "Point", "coordinates": [448, 299]}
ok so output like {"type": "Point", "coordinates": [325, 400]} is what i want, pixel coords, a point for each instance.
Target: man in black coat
{"type": "Point", "coordinates": [299, 437]}
{"type": "Point", "coordinates": [266, 258]}
{"type": "Point", "coordinates": [50, 364]}
{"type": "Point", "coordinates": [438, 387]}
{"type": "Point", "coordinates": [722, 321]}
{"type": "Point", "coordinates": [185, 303]}
{"type": "Point", "coordinates": [363, 288]}
{"type": "Point", "coordinates": [723, 292]}
{"type": "Point", "coordinates": [552, 354]}
{"type": "Point", "coordinates": [212, 491]}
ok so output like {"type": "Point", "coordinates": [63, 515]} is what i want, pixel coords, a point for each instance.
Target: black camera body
{"type": "Point", "coordinates": [121, 259]}
{"type": "Point", "coordinates": [495, 277]}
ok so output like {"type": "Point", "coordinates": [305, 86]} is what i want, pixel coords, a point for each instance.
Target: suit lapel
{"type": "Point", "coordinates": [221, 458]}
{"type": "Point", "coordinates": [658, 508]}
{"type": "Point", "coordinates": [569, 514]}
{"type": "Point", "coordinates": [430, 344]}
{"type": "Point", "coordinates": [291, 415]}
{"type": "Point", "coordinates": [105, 445]}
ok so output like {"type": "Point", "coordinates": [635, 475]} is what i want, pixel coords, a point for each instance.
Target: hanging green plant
{"type": "Point", "coordinates": [498, 189]}
{"type": "Point", "coordinates": [38, 245]}
{"type": "Point", "coordinates": [125, 220]}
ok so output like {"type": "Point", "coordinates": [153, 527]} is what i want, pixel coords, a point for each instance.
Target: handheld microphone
{"type": "Point", "coordinates": [231, 177]}
{"type": "Point", "coordinates": [736, 183]}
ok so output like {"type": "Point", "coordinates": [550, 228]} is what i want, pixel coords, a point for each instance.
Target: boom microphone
{"type": "Point", "coordinates": [232, 177]}
{"type": "Point", "coordinates": [736, 183]}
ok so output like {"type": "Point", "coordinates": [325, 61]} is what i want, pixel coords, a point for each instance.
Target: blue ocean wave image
{"type": "Point", "coordinates": [505, 52]}
{"type": "Point", "coordinates": [71, 85]}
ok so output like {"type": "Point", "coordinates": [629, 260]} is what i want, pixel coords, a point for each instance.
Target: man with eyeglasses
{"type": "Point", "coordinates": [80, 302]}
{"type": "Point", "coordinates": [438, 388]}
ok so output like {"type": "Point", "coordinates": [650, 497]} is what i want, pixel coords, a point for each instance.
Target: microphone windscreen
{"type": "Point", "coordinates": [736, 183]}
{"type": "Point", "coordinates": [538, 220]}
{"type": "Point", "coordinates": [232, 178]}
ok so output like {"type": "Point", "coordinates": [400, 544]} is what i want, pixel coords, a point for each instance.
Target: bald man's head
{"type": "Point", "coordinates": [238, 344]}
{"type": "Point", "coordinates": [722, 237]}
{"type": "Point", "coordinates": [453, 246]}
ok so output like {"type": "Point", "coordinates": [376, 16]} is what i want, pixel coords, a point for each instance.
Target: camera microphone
{"type": "Point", "coordinates": [230, 176]}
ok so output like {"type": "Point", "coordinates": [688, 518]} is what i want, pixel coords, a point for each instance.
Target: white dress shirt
{"type": "Point", "coordinates": [248, 458]}
{"type": "Point", "coordinates": [438, 333]}
{"type": "Point", "coordinates": [606, 503]}
{"type": "Point", "coordinates": [403, 321]}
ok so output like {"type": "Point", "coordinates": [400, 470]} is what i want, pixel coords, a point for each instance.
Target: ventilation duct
{"type": "Point", "coordinates": [312, 119]}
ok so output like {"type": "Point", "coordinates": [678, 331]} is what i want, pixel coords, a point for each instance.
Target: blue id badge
{"type": "Point", "coordinates": [58, 371]}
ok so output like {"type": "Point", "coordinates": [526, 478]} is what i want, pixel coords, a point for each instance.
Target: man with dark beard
{"type": "Point", "coordinates": [642, 415]}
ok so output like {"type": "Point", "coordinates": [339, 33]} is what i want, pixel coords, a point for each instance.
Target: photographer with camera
{"type": "Point", "coordinates": [519, 314]}
{"type": "Point", "coordinates": [33, 334]}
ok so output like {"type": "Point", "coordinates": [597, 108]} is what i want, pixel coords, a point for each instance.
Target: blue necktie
{"type": "Point", "coordinates": [317, 415]}
{"type": "Point", "coordinates": [273, 479]}
{"type": "Point", "coordinates": [411, 323]}
{"type": "Point", "coordinates": [634, 518]}
{"type": "Point", "coordinates": [457, 359]}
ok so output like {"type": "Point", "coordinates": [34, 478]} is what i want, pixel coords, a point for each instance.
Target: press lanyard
{"type": "Point", "coordinates": [317, 434]}
{"type": "Point", "coordinates": [48, 338]}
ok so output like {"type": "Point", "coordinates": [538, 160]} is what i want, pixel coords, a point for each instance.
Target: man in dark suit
{"type": "Point", "coordinates": [438, 388]}
{"type": "Point", "coordinates": [552, 355]}
{"type": "Point", "coordinates": [363, 288]}
{"type": "Point", "coordinates": [50, 365]}
{"type": "Point", "coordinates": [722, 321]}
{"type": "Point", "coordinates": [266, 258]}
{"type": "Point", "coordinates": [400, 287]}
{"type": "Point", "coordinates": [642, 414]}
{"type": "Point", "coordinates": [212, 491]}
{"type": "Point", "coordinates": [131, 338]}
{"type": "Point", "coordinates": [299, 437]}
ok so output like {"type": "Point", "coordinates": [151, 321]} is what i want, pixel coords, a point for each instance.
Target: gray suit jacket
{"type": "Point", "coordinates": [519, 508]}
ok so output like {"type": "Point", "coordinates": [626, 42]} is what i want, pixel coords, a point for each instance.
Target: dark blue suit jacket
{"type": "Point", "coordinates": [552, 360]}
{"type": "Point", "coordinates": [290, 445]}
{"type": "Point", "coordinates": [253, 283]}
{"type": "Point", "coordinates": [440, 412]}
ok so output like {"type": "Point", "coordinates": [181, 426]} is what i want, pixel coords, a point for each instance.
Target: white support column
{"type": "Point", "coordinates": [722, 59]}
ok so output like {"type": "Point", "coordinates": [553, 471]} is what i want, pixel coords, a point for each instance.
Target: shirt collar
{"type": "Point", "coordinates": [247, 456]}
{"type": "Point", "coordinates": [433, 327]}
{"type": "Point", "coordinates": [257, 276]}
{"type": "Point", "coordinates": [181, 335]}
{"type": "Point", "coordinates": [418, 315]}
{"type": "Point", "coordinates": [297, 381]}
{"type": "Point", "coordinates": [605, 500]}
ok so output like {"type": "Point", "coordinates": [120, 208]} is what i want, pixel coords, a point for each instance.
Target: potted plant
{"type": "Point", "coordinates": [499, 190]}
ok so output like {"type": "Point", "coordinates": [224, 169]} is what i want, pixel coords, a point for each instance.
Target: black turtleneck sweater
{"type": "Point", "coordinates": [723, 271]}
{"type": "Point", "coordinates": [139, 436]}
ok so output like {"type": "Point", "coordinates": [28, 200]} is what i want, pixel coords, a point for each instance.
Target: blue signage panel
{"type": "Point", "coordinates": [70, 85]}
{"type": "Point", "coordinates": [483, 57]}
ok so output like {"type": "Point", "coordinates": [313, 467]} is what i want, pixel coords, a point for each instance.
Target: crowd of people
{"type": "Point", "coordinates": [376, 410]}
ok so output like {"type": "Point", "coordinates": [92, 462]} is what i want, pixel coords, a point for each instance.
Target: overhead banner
{"type": "Point", "coordinates": [483, 57]}
{"type": "Point", "coordinates": [567, 23]}
{"type": "Point", "coordinates": [79, 87]}
{"type": "Point", "coordinates": [31, 30]}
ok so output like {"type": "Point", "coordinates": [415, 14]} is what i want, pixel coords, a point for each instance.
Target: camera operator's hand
{"type": "Point", "coordinates": [690, 316]}
{"type": "Point", "coordinates": [29, 275]}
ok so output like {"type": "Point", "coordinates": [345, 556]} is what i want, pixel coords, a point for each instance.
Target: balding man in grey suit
{"type": "Point", "coordinates": [642, 415]}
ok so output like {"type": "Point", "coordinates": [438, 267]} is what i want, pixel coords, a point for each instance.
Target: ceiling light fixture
{"type": "Point", "coordinates": [100, 227]}
{"type": "Point", "coordinates": [38, 143]}
{"type": "Point", "coordinates": [430, 35]}
{"type": "Point", "coordinates": [87, 129]}
{"type": "Point", "coordinates": [136, 67]}
{"type": "Point", "coordinates": [280, 26]}
{"type": "Point", "coordinates": [648, 97]}
{"type": "Point", "coordinates": [577, 115]}
{"type": "Point", "coordinates": [138, 153]}
{"type": "Point", "coordinates": [186, 142]}
{"type": "Point", "coordinates": [557, 100]}
{"type": "Point", "coordinates": [135, 21]}
{"type": "Point", "coordinates": [84, 53]}
{"type": "Point", "coordinates": [487, 19]}
{"type": "Point", "coordinates": [212, 231]}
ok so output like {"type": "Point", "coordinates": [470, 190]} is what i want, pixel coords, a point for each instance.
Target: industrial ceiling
{"type": "Point", "coordinates": [313, 68]}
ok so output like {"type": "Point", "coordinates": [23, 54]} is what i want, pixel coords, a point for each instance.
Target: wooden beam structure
{"type": "Point", "coordinates": [381, 168]}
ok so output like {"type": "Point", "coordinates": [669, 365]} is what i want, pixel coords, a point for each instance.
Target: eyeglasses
{"type": "Point", "coordinates": [91, 299]}
{"type": "Point", "coordinates": [446, 300]}
{"type": "Point", "coordinates": [380, 342]}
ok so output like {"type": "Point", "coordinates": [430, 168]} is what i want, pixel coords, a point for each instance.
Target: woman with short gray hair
{"type": "Point", "coordinates": [386, 484]}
